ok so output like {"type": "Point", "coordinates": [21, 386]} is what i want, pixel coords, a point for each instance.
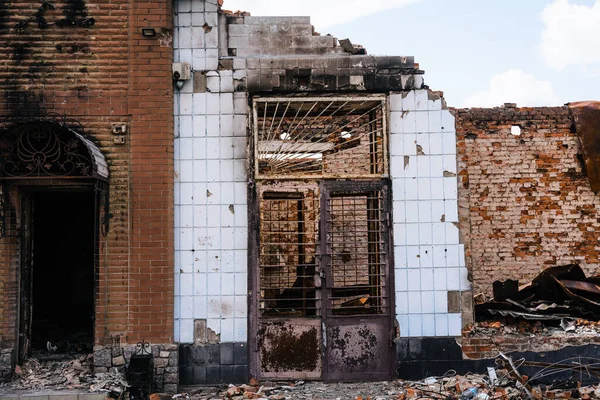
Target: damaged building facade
{"type": "Point", "coordinates": [288, 208]}
{"type": "Point", "coordinates": [316, 204]}
{"type": "Point", "coordinates": [334, 218]}
{"type": "Point", "coordinates": [528, 207]}
{"type": "Point", "coordinates": [86, 175]}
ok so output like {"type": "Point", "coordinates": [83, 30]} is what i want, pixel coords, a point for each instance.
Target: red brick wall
{"type": "Point", "coordinates": [524, 202]}
{"type": "Point", "coordinates": [152, 221]}
{"type": "Point", "coordinates": [488, 346]}
{"type": "Point", "coordinates": [99, 75]}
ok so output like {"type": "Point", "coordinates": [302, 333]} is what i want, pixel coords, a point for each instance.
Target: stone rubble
{"type": "Point", "coordinates": [472, 386]}
{"type": "Point", "coordinates": [64, 372]}
{"type": "Point", "coordinates": [569, 328]}
{"type": "Point", "coordinates": [75, 372]}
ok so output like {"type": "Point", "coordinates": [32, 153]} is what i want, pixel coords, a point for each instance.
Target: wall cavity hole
{"type": "Point", "coordinates": [515, 130]}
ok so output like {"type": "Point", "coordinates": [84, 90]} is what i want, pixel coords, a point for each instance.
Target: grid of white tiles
{"type": "Point", "coordinates": [210, 189]}
{"type": "Point", "coordinates": [429, 260]}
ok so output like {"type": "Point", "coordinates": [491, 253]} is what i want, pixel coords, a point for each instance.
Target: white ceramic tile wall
{"type": "Point", "coordinates": [428, 256]}
{"type": "Point", "coordinates": [211, 211]}
{"type": "Point", "coordinates": [211, 272]}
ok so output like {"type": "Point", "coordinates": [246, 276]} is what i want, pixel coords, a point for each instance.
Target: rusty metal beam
{"type": "Point", "coordinates": [587, 125]}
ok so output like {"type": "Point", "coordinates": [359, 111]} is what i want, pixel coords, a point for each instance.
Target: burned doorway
{"type": "Point", "coordinates": [62, 270]}
{"type": "Point", "coordinates": [57, 181]}
{"type": "Point", "coordinates": [321, 256]}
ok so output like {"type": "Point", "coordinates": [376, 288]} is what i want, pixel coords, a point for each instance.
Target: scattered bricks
{"type": "Point", "coordinates": [233, 391]}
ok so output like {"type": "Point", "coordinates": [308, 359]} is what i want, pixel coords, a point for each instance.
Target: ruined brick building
{"type": "Point", "coordinates": [291, 196]}
{"type": "Point", "coordinates": [86, 178]}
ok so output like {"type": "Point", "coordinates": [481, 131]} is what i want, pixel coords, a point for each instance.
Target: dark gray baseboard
{"type": "Point", "coordinates": [213, 363]}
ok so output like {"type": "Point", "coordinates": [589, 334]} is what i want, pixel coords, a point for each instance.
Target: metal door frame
{"type": "Point", "coordinates": [327, 188]}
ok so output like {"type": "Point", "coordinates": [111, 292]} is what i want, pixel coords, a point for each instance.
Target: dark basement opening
{"type": "Point", "coordinates": [63, 271]}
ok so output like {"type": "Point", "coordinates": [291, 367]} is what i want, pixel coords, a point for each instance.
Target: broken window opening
{"type": "Point", "coordinates": [320, 137]}
{"type": "Point", "coordinates": [288, 246]}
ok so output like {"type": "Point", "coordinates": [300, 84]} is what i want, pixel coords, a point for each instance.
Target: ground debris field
{"type": "Point", "coordinates": [498, 383]}
{"type": "Point", "coordinates": [574, 378]}
{"type": "Point", "coordinates": [63, 372]}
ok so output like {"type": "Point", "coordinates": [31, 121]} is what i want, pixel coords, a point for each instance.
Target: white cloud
{"type": "Point", "coordinates": [323, 13]}
{"type": "Point", "coordinates": [515, 86]}
{"type": "Point", "coordinates": [571, 34]}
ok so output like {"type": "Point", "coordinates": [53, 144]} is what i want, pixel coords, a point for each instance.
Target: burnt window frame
{"type": "Point", "coordinates": [382, 105]}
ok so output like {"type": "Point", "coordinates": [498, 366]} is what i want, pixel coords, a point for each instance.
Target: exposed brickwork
{"type": "Point", "coordinates": [89, 61]}
{"type": "Point", "coordinates": [525, 203]}
{"type": "Point", "coordinates": [488, 346]}
{"type": "Point", "coordinates": [151, 108]}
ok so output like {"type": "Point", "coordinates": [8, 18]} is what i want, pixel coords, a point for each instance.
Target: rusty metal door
{"type": "Point", "coordinates": [355, 264]}
{"type": "Point", "coordinates": [323, 279]}
{"type": "Point", "coordinates": [288, 340]}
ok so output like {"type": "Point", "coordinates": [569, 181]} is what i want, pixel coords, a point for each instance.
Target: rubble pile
{"type": "Point", "coordinates": [557, 293]}
{"type": "Point", "coordinates": [64, 372]}
{"type": "Point", "coordinates": [501, 383]}
{"type": "Point", "coordinates": [509, 326]}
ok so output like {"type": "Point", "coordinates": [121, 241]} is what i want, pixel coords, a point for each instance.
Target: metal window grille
{"type": "Point", "coordinates": [288, 243]}
{"type": "Point", "coordinates": [357, 254]}
{"type": "Point", "coordinates": [320, 137]}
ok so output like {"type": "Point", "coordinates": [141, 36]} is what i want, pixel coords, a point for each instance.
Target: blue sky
{"type": "Point", "coordinates": [479, 52]}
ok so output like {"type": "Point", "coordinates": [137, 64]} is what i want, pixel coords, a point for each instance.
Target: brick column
{"type": "Point", "coordinates": [150, 103]}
